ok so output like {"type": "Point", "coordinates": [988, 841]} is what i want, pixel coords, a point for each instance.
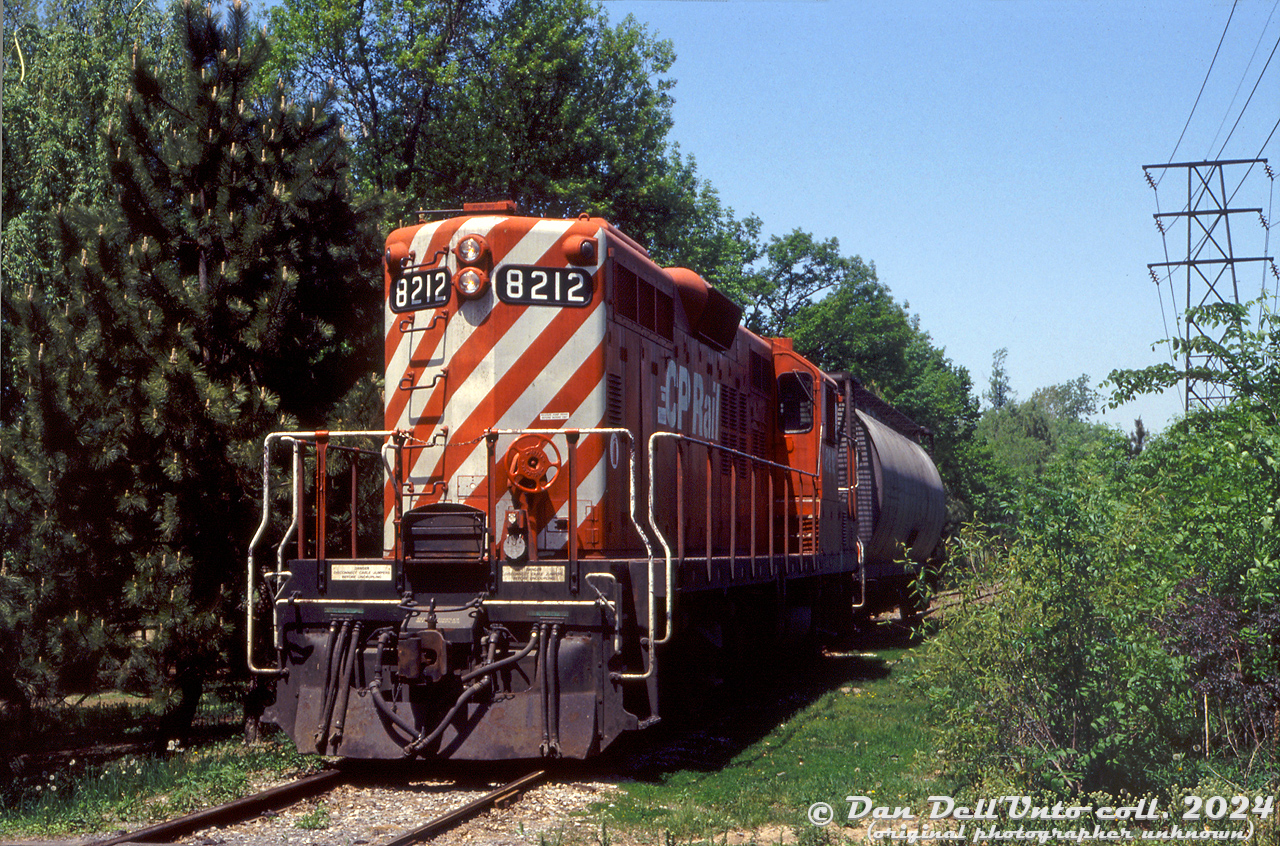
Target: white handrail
{"type": "Point", "coordinates": [653, 520]}
{"type": "Point", "coordinates": [251, 575]}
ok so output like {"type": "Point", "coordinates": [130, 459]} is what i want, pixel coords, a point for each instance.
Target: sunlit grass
{"type": "Point", "coordinates": [137, 789]}
{"type": "Point", "coordinates": [865, 735]}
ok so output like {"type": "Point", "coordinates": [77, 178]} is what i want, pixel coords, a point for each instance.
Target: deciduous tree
{"type": "Point", "coordinates": [844, 319]}
{"type": "Point", "coordinates": [545, 103]}
{"type": "Point", "coordinates": [999, 392]}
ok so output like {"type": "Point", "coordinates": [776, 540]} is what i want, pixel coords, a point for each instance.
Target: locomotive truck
{"type": "Point", "coordinates": [591, 477]}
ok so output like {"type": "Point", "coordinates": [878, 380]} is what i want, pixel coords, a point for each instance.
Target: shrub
{"type": "Point", "coordinates": [1125, 638]}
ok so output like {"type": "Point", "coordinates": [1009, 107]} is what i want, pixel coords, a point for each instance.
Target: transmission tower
{"type": "Point", "coordinates": [1211, 262]}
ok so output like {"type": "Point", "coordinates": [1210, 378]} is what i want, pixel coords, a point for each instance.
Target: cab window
{"type": "Point", "coordinates": [795, 401]}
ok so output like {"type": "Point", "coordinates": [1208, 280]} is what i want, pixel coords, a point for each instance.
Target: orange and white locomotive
{"type": "Point", "coordinates": [592, 477]}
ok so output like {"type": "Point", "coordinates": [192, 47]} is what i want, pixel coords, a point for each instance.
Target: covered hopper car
{"type": "Point", "coordinates": [588, 468]}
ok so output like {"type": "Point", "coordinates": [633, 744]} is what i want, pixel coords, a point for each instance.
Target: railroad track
{"type": "Point", "coordinates": [278, 797]}
{"type": "Point", "coordinates": [444, 822]}
{"type": "Point", "coordinates": [239, 809]}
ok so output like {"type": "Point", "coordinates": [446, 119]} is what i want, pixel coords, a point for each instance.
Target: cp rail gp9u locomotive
{"type": "Point", "coordinates": [592, 477]}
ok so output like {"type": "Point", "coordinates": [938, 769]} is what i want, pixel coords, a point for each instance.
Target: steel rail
{"type": "Point", "coordinates": [460, 815]}
{"type": "Point", "coordinates": [234, 811]}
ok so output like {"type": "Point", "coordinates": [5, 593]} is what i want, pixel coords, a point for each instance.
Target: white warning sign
{"type": "Point", "coordinates": [533, 573]}
{"type": "Point", "coordinates": [360, 572]}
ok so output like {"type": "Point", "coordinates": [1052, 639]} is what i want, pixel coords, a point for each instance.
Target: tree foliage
{"type": "Point", "coordinates": [1237, 454]}
{"type": "Point", "coordinates": [1023, 437]}
{"type": "Point", "coordinates": [393, 66]}
{"type": "Point", "coordinates": [798, 273]}
{"type": "Point", "coordinates": [1125, 637]}
{"type": "Point", "coordinates": [1133, 613]}
{"type": "Point", "coordinates": [844, 318]}
{"type": "Point", "coordinates": [1057, 683]}
{"type": "Point", "coordinates": [195, 309]}
{"type": "Point", "coordinates": [567, 112]}
{"type": "Point", "coordinates": [544, 103]}
{"type": "Point", "coordinates": [1243, 355]}
{"type": "Point", "coordinates": [999, 392]}
{"type": "Point", "coordinates": [63, 64]}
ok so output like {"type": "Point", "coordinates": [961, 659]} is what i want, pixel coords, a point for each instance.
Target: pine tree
{"type": "Point", "coordinates": [64, 63]}
{"type": "Point", "coordinates": [225, 291]}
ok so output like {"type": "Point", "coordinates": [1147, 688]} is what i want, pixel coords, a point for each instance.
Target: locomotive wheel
{"type": "Point", "coordinates": [530, 468]}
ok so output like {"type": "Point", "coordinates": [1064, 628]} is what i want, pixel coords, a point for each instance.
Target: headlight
{"type": "Point", "coordinates": [472, 250]}
{"type": "Point", "coordinates": [580, 249]}
{"type": "Point", "coordinates": [470, 281]}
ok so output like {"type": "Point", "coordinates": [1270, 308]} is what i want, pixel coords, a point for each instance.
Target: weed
{"type": "Point", "coordinates": [135, 789]}
{"type": "Point", "coordinates": [315, 819]}
{"type": "Point", "coordinates": [810, 835]}
{"type": "Point", "coordinates": [556, 840]}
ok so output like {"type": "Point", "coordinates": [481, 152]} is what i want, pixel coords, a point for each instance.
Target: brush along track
{"type": "Point", "coordinates": [239, 809]}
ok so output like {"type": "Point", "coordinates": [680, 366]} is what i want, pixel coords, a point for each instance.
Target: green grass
{"type": "Point", "coordinates": [315, 819]}
{"type": "Point", "coordinates": [847, 723]}
{"type": "Point", "coordinates": [134, 789]}
{"type": "Point", "coordinates": [858, 729]}
{"type": "Point", "coordinates": [115, 714]}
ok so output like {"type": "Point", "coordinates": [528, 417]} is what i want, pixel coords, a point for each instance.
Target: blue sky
{"type": "Point", "coordinates": [986, 155]}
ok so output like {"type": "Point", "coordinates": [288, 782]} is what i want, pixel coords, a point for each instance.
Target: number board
{"type": "Point", "coordinates": [532, 285]}
{"type": "Point", "coordinates": [420, 287]}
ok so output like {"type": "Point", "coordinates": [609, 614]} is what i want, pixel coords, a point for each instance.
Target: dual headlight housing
{"type": "Point", "coordinates": [474, 258]}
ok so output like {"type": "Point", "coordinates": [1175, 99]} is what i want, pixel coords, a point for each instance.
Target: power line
{"type": "Point", "coordinates": [1202, 85]}
{"type": "Point", "coordinates": [1268, 141]}
{"type": "Point", "coordinates": [1262, 73]}
{"type": "Point", "coordinates": [1245, 107]}
{"type": "Point", "coordinates": [1257, 82]}
{"type": "Point", "coordinates": [1243, 76]}
{"type": "Point", "coordinates": [1211, 262]}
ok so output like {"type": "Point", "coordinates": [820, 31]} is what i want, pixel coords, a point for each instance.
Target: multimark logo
{"type": "Point", "coordinates": [687, 403]}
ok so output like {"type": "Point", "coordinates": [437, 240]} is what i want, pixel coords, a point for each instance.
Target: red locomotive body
{"type": "Point", "coordinates": [587, 466]}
